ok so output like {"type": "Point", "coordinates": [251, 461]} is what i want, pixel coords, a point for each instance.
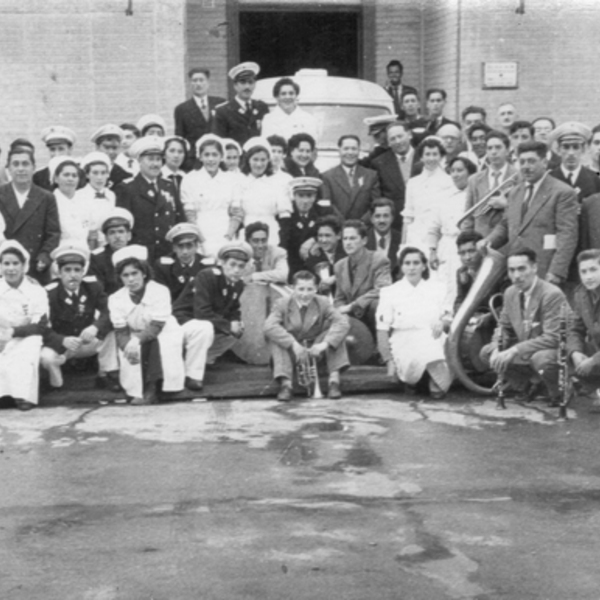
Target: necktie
{"type": "Point", "coordinates": [526, 200]}
{"type": "Point", "coordinates": [522, 303]}
{"type": "Point", "coordinates": [258, 264]}
{"type": "Point", "coordinates": [303, 310]}
{"type": "Point", "coordinates": [496, 177]}
{"type": "Point", "coordinates": [130, 163]}
{"type": "Point", "coordinates": [396, 100]}
{"type": "Point", "coordinates": [570, 178]}
{"type": "Point", "coordinates": [203, 108]}
{"type": "Point", "coordinates": [248, 107]}
{"type": "Point", "coordinates": [100, 195]}
{"type": "Point", "coordinates": [351, 177]}
{"type": "Point", "coordinates": [153, 188]}
{"type": "Point", "coordinates": [176, 179]}
{"type": "Point", "coordinates": [382, 242]}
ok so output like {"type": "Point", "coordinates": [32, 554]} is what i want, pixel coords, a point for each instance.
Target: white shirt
{"type": "Point", "coordinates": [23, 305]}
{"type": "Point", "coordinates": [405, 163]}
{"type": "Point", "coordinates": [387, 238]}
{"type": "Point", "coordinates": [21, 197]}
{"type": "Point", "coordinates": [492, 180]}
{"type": "Point", "coordinates": [574, 173]}
{"type": "Point", "coordinates": [278, 122]}
{"type": "Point", "coordinates": [129, 164]}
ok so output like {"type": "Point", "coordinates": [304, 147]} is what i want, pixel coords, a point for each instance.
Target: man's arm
{"type": "Point", "coordinates": [337, 327]}
{"type": "Point", "coordinates": [469, 223]}
{"type": "Point", "coordinates": [274, 328]}
{"type": "Point", "coordinates": [205, 290]}
{"type": "Point", "coordinates": [566, 233]}
{"type": "Point", "coordinates": [381, 278]}
{"type": "Point", "coordinates": [498, 237]}
{"type": "Point", "coordinates": [220, 126]}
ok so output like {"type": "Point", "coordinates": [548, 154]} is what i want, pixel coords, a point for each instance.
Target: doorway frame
{"type": "Point", "coordinates": [366, 25]}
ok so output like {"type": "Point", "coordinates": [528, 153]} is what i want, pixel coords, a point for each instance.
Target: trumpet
{"type": "Point", "coordinates": [308, 375]}
{"type": "Point", "coordinates": [482, 206]}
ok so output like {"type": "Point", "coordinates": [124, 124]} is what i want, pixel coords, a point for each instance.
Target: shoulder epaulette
{"type": "Point", "coordinates": [216, 271]}
{"type": "Point", "coordinates": [98, 250]}
{"type": "Point", "coordinates": [324, 202]}
{"type": "Point", "coordinates": [51, 286]}
{"type": "Point", "coordinates": [166, 260]}
{"type": "Point", "coordinates": [128, 180]}
{"type": "Point", "coordinates": [90, 279]}
{"type": "Point", "coordinates": [208, 261]}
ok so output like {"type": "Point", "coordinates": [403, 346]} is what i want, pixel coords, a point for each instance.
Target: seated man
{"type": "Point", "coordinates": [382, 236]}
{"type": "Point", "coordinates": [305, 325]}
{"type": "Point", "coordinates": [360, 275]}
{"type": "Point", "coordinates": [583, 340]}
{"type": "Point", "coordinates": [327, 251]}
{"type": "Point", "coordinates": [528, 329]}
{"type": "Point", "coordinates": [185, 263]}
{"type": "Point", "coordinates": [208, 310]}
{"type": "Point", "coordinates": [298, 233]}
{"type": "Point", "coordinates": [79, 320]}
{"type": "Point", "coordinates": [470, 260]}
{"type": "Point", "coordinates": [116, 228]}
{"type": "Point", "coordinates": [269, 263]}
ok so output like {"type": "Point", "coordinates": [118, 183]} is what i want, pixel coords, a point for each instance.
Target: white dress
{"type": "Point", "coordinates": [408, 312]}
{"type": "Point", "coordinates": [423, 194]}
{"type": "Point", "coordinates": [442, 235]}
{"type": "Point", "coordinates": [264, 199]}
{"type": "Point", "coordinates": [154, 306]}
{"type": "Point", "coordinates": [20, 357]}
{"type": "Point", "coordinates": [211, 198]}
{"type": "Point", "coordinates": [97, 209]}
{"type": "Point", "coordinates": [76, 217]}
{"type": "Point", "coordinates": [278, 122]}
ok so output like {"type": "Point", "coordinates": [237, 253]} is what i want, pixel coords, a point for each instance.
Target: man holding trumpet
{"type": "Point", "coordinates": [302, 328]}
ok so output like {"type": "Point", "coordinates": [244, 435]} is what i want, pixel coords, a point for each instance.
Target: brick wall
{"type": "Point", "coordinates": [84, 63]}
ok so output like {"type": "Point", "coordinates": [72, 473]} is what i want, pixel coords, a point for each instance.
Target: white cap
{"type": "Point", "coordinates": [209, 137]}
{"type": "Point", "coordinates": [57, 134]}
{"type": "Point", "coordinates": [68, 253]}
{"type": "Point", "coordinates": [118, 217]}
{"type": "Point", "coordinates": [96, 157]}
{"type": "Point", "coordinates": [56, 161]}
{"type": "Point", "coordinates": [133, 251]}
{"type": "Point", "coordinates": [149, 144]}
{"type": "Point", "coordinates": [244, 70]}
{"type": "Point", "coordinates": [106, 131]}
{"type": "Point", "coordinates": [258, 142]}
{"type": "Point", "coordinates": [15, 245]}
{"type": "Point", "coordinates": [148, 121]}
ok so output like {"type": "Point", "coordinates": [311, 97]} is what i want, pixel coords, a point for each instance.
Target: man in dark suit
{"type": "Point", "coordinates": [194, 117]}
{"type": "Point", "coordinates": [529, 326]}
{"type": "Point", "coordinates": [396, 166]}
{"type": "Point", "coordinates": [542, 128]}
{"type": "Point", "coordinates": [572, 139]}
{"type": "Point", "coordinates": [30, 213]}
{"type": "Point", "coordinates": [108, 140]}
{"type": "Point", "coordinates": [541, 215]}
{"type": "Point", "coordinates": [436, 101]}
{"type": "Point", "coordinates": [378, 131]}
{"type": "Point", "coordinates": [381, 235]}
{"type": "Point", "coordinates": [412, 116]}
{"type": "Point", "coordinates": [241, 118]}
{"type": "Point", "coordinates": [394, 86]}
{"type": "Point", "coordinates": [350, 187]}
{"type": "Point", "coordinates": [360, 275]}
{"type": "Point", "coordinates": [151, 199]}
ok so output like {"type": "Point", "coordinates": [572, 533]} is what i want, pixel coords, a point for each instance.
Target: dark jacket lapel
{"type": "Point", "coordinates": [31, 205]}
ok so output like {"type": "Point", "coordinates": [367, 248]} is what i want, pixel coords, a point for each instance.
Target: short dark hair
{"type": "Point", "coordinates": [298, 138]}
{"type": "Point", "coordinates": [469, 164]}
{"type": "Point", "coordinates": [591, 254]}
{"type": "Point", "coordinates": [473, 110]}
{"type": "Point", "coordinates": [409, 93]}
{"type": "Point", "coordinates": [212, 142]}
{"type": "Point", "coordinates": [549, 119]}
{"type": "Point", "coordinates": [478, 127]}
{"type": "Point", "coordinates": [436, 91]}
{"type": "Point", "coordinates": [304, 275]}
{"type": "Point", "coordinates": [357, 224]}
{"type": "Point", "coordinates": [402, 124]}
{"type": "Point", "coordinates": [330, 221]}
{"type": "Point", "coordinates": [521, 125]}
{"type": "Point", "coordinates": [21, 143]}
{"type": "Point", "coordinates": [202, 70]}
{"type": "Point", "coordinates": [131, 127]}
{"type": "Point", "coordinates": [466, 237]}
{"type": "Point", "coordinates": [430, 142]}
{"type": "Point", "coordinates": [394, 63]}
{"type": "Point", "coordinates": [248, 155]}
{"type": "Point", "coordinates": [285, 81]}
{"type": "Point", "coordinates": [251, 229]}
{"type": "Point", "coordinates": [141, 265]}
{"type": "Point", "coordinates": [383, 203]}
{"type": "Point", "coordinates": [412, 250]}
{"type": "Point", "coordinates": [596, 129]}
{"type": "Point", "coordinates": [348, 136]}
{"type": "Point", "coordinates": [278, 140]}
{"type": "Point", "coordinates": [494, 133]}
{"type": "Point", "coordinates": [528, 252]}
{"type": "Point", "coordinates": [20, 150]}
{"type": "Point", "coordinates": [538, 147]}
{"type": "Point", "coordinates": [179, 141]}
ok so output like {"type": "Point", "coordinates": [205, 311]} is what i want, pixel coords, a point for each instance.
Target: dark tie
{"type": "Point", "coordinates": [522, 303]}
{"type": "Point", "coordinates": [351, 177]}
{"type": "Point", "coordinates": [100, 195]}
{"type": "Point", "coordinates": [396, 100]}
{"type": "Point", "coordinates": [526, 200]}
{"type": "Point", "coordinates": [176, 179]}
{"type": "Point", "coordinates": [496, 177]}
{"type": "Point", "coordinates": [130, 163]}
{"type": "Point", "coordinates": [303, 310]}
{"type": "Point", "coordinates": [570, 178]}
{"type": "Point", "coordinates": [382, 242]}
{"type": "Point", "coordinates": [248, 107]}
{"type": "Point", "coordinates": [258, 264]}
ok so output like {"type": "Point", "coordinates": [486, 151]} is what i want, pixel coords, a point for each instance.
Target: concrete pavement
{"type": "Point", "coordinates": [365, 498]}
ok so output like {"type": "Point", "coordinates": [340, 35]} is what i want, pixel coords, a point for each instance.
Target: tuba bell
{"type": "Point", "coordinates": [490, 274]}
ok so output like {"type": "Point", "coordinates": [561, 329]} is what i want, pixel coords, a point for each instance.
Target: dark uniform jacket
{"type": "Point", "coordinates": [154, 213]}
{"type": "Point", "coordinates": [209, 297]}
{"type": "Point", "coordinates": [233, 121]}
{"type": "Point", "coordinates": [117, 175]}
{"type": "Point", "coordinates": [585, 323]}
{"type": "Point", "coordinates": [69, 316]}
{"type": "Point", "coordinates": [191, 124]}
{"type": "Point", "coordinates": [35, 226]}
{"type": "Point", "coordinates": [296, 230]}
{"type": "Point", "coordinates": [101, 266]}
{"type": "Point", "coordinates": [172, 274]}
{"type": "Point", "coordinates": [586, 184]}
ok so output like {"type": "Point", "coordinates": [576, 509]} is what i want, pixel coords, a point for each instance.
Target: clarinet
{"type": "Point", "coordinates": [500, 400]}
{"type": "Point", "coordinates": [564, 380]}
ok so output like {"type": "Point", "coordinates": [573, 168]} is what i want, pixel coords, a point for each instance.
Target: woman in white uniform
{"type": "Point", "coordinates": [176, 153]}
{"type": "Point", "coordinates": [443, 229]}
{"type": "Point", "coordinates": [23, 319]}
{"type": "Point", "coordinates": [263, 197]}
{"type": "Point", "coordinates": [424, 193]}
{"type": "Point", "coordinates": [410, 326]}
{"type": "Point", "coordinates": [207, 195]}
{"type": "Point", "coordinates": [149, 338]}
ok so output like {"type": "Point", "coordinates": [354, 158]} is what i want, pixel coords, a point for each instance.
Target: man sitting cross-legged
{"type": "Point", "coordinates": [306, 317]}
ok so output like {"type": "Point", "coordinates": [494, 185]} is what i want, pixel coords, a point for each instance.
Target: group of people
{"type": "Point", "coordinates": [154, 252]}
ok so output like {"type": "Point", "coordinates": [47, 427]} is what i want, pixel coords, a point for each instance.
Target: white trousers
{"type": "Point", "coordinates": [106, 350]}
{"type": "Point", "coordinates": [19, 368]}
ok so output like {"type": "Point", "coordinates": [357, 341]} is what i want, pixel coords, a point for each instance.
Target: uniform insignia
{"type": "Point", "coordinates": [235, 296]}
{"type": "Point", "coordinates": [224, 291]}
{"type": "Point", "coordinates": [128, 180]}
{"type": "Point", "coordinates": [311, 223]}
{"type": "Point", "coordinates": [52, 286]}
{"type": "Point", "coordinates": [166, 260]}
{"type": "Point", "coordinates": [217, 271]}
{"type": "Point", "coordinates": [68, 301]}
{"type": "Point", "coordinates": [83, 299]}
{"type": "Point", "coordinates": [300, 225]}
{"type": "Point", "coordinates": [324, 202]}
{"type": "Point", "coordinates": [151, 193]}
{"type": "Point", "coordinates": [241, 111]}
{"type": "Point", "coordinates": [97, 251]}
{"type": "Point", "coordinates": [207, 261]}
{"type": "Point", "coordinates": [181, 279]}
{"type": "Point", "coordinates": [90, 278]}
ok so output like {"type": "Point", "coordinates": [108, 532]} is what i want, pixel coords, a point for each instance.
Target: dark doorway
{"type": "Point", "coordinates": [282, 42]}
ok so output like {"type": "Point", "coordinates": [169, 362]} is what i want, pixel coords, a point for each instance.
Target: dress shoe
{"type": "Point", "coordinates": [175, 396]}
{"type": "Point", "coordinates": [193, 384]}
{"type": "Point", "coordinates": [107, 382]}
{"type": "Point", "coordinates": [334, 393]}
{"type": "Point", "coordinates": [285, 393]}
{"type": "Point", "coordinates": [24, 404]}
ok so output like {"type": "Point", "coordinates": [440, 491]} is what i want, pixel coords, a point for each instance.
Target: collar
{"type": "Point", "coordinates": [408, 156]}
{"type": "Point", "coordinates": [385, 236]}
{"type": "Point", "coordinates": [537, 184]}
{"type": "Point", "coordinates": [502, 172]}
{"type": "Point", "coordinates": [242, 103]}
{"type": "Point", "coordinates": [355, 259]}
{"type": "Point", "coordinates": [531, 288]}
{"type": "Point", "coordinates": [198, 99]}
{"type": "Point", "coordinates": [149, 181]}
{"type": "Point", "coordinates": [575, 172]}
{"type": "Point", "coordinates": [18, 193]}
{"type": "Point", "coordinates": [188, 265]}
